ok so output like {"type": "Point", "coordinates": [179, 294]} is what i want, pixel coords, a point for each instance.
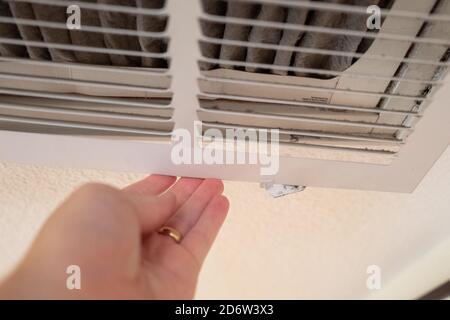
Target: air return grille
{"type": "Point", "coordinates": [109, 78]}
{"type": "Point", "coordinates": [356, 107]}
{"type": "Point", "coordinates": [314, 70]}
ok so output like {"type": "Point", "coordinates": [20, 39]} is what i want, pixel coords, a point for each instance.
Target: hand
{"type": "Point", "coordinates": [112, 235]}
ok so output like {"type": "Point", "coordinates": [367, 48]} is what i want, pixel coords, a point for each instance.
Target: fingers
{"type": "Point", "coordinates": [200, 238]}
{"type": "Point", "coordinates": [152, 212]}
{"type": "Point", "coordinates": [190, 198]}
{"type": "Point", "coordinates": [184, 188]}
{"type": "Point", "coordinates": [152, 185]}
{"type": "Point", "coordinates": [201, 212]}
{"type": "Point", "coordinates": [190, 211]}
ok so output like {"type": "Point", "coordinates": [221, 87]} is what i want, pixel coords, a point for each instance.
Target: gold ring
{"type": "Point", "coordinates": [171, 232]}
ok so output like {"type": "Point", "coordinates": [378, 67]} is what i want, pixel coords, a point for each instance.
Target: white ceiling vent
{"type": "Point", "coordinates": [55, 95]}
{"type": "Point", "coordinates": [355, 107]}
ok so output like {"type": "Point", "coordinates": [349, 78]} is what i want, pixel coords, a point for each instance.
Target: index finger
{"type": "Point", "coordinates": [200, 238]}
{"type": "Point", "coordinates": [152, 185]}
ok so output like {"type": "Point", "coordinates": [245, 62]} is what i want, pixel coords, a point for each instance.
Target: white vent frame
{"type": "Point", "coordinates": [429, 140]}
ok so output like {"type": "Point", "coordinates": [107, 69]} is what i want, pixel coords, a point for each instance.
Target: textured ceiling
{"type": "Point", "coordinates": [316, 244]}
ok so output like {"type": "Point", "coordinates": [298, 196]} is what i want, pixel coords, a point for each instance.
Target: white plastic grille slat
{"type": "Point", "coordinates": [100, 7]}
{"type": "Point", "coordinates": [90, 67]}
{"type": "Point", "coordinates": [260, 45]}
{"type": "Point", "coordinates": [333, 31]}
{"type": "Point", "coordinates": [82, 126]}
{"type": "Point", "coordinates": [349, 9]}
{"type": "Point", "coordinates": [309, 104]}
{"type": "Point", "coordinates": [50, 45]}
{"type": "Point", "coordinates": [87, 114]}
{"type": "Point", "coordinates": [107, 85]}
{"type": "Point", "coordinates": [314, 88]}
{"type": "Point", "coordinates": [84, 98]}
{"type": "Point", "coordinates": [308, 145]}
{"type": "Point", "coordinates": [307, 119]}
{"type": "Point", "coordinates": [315, 71]}
{"type": "Point", "coordinates": [312, 133]}
{"type": "Point", "coordinates": [85, 28]}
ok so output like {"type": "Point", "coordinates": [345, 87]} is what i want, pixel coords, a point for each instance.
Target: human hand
{"type": "Point", "coordinates": [112, 235]}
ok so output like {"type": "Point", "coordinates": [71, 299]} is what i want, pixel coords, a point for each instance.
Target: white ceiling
{"type": "Point", "coordinates": [316, 244]}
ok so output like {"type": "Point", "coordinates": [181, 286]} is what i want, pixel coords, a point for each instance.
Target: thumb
{"type": "Point", "coordinates": [152, 212]}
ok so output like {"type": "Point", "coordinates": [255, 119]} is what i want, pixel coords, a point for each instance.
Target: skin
{"type": "Point", "coordinates": [113, 236]}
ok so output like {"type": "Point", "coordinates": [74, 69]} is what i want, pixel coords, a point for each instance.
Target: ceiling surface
{"type": "Point", "coordinates": [315, 244]}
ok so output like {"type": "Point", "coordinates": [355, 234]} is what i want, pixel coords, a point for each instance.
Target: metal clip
{"type": "Point", "coordinates": [281, 190]}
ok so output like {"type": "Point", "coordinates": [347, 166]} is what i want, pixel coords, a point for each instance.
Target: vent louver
{"type": "Point", "coordinates": [261, 70]}
{"type": "Point", "coordinates": [109, 78]}
{"type": "Point", "coordinates": [355, 108]}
